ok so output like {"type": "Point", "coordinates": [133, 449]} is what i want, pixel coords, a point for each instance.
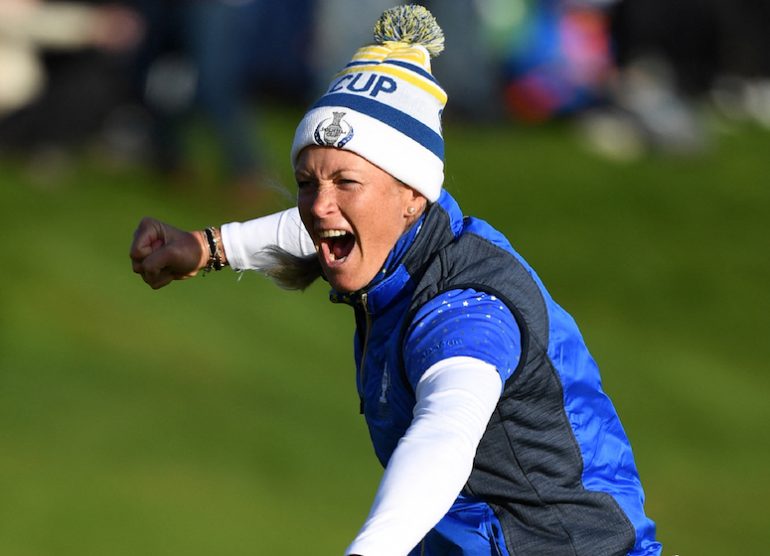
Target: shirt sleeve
{"type": "Point", "coordinates": [246, 243]}
{"type": "Point", "coordinates": [433, 460]}
{"type": "Point", "coordinates": [462, 323]}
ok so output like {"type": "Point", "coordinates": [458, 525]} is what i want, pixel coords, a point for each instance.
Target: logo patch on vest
{"type": "Point", "coordinates": [333, 131]}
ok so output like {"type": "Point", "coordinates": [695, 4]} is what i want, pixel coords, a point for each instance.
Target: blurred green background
{"type": "Point", "coordinates": [219, 416]}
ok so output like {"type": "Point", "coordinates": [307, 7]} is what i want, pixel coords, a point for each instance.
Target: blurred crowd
{"type": "Point", "coordinates": [635, 75]}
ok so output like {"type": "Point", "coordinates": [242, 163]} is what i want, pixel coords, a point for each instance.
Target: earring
{"type": "Point", "coordinates": [411, 210]}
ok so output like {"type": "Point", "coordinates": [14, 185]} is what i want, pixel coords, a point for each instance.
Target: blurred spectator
{"type": "Point", "coordinates": [716, 46]}
{"type": "Point", "coordinates": [59, 69]}
{"type": "Point", "coordinates": [673, 60]}
{"type": "Point", "coordinates": [558, 59]}
{"type": "Point", "coordinates": [531, 59]}
{"type": "Point", "coordinates": [699, 40]}
{"type": "Point", "coordinates": [213, 57]}
{"type": "Point", "coordinates": [474, 26]}
{"type": "Point", "coordinates": [338, 30]}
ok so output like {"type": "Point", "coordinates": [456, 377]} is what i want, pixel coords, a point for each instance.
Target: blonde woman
{"type": "Point", "coordinates": [483, 403]}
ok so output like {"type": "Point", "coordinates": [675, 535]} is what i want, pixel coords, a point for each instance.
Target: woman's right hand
{"type": "Point", "coordinates": [161, 253]}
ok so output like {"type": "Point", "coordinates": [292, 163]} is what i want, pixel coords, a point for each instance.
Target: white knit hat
{"type": "Point", "coordinates": [385, 105]}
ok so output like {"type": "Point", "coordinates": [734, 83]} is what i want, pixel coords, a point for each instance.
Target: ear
{"type": "Point", "coordinates": [414, 198]}
{"type": "Point", "coordinates": [414, 204]}
{"type": "Point", "coordinates": [417, 196]}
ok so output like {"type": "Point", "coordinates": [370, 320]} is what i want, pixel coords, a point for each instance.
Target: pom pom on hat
{"type": "Point", "coordinates": [410, 24]}
{"type": "Point", "coordinates": [385, 105]}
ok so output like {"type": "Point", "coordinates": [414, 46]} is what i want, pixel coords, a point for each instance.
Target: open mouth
{"type": "Point", "coordinates": [336, 244]}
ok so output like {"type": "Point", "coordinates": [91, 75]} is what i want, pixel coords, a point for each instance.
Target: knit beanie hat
{"type": "Point", "coordinates": [385, 105]}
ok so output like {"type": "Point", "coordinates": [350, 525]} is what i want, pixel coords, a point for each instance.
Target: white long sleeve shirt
{"type": "Point", "coordinates": [245, 242]}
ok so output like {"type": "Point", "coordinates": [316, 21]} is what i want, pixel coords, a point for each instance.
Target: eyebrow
{"type": "Point", "coordinates": [336, 174]}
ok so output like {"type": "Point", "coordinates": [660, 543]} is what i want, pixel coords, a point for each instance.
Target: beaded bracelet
{"type": "Point", "coordinates": [215, 251]}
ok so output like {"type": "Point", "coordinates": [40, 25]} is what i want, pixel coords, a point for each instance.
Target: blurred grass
{"type": "Point", "coordinates": [218, 416]}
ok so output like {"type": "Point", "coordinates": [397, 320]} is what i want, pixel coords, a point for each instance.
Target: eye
{"type": "Point", "coordinates": [304, 184]}
{"type": "Point", "coordinates": [347, 182]}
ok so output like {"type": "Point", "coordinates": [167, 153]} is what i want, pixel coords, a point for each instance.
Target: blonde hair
{"type": "Point", "coordinates": [291, 272]}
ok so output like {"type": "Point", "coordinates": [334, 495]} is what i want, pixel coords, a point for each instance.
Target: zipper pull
{"type": "Point", "coordinates": [361, 406]}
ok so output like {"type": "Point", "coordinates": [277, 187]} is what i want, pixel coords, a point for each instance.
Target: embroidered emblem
{"type": "Point", "coordinates": [334, 131]}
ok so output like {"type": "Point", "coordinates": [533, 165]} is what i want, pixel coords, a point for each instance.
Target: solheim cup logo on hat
{"type": "Point", "coordinates": [334, 131]}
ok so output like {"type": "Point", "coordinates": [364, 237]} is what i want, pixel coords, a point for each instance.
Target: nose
{"type": "Point", "coordinates": [324, 202]}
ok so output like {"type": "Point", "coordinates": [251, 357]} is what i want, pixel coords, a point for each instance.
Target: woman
{"type": "Point", "coordinates": [482, 401]}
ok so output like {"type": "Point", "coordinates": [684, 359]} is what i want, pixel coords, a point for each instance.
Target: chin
{"type": "Point", "coordinates": [344, 283]}
{"type": "Point", "coordinates": [345, 286]}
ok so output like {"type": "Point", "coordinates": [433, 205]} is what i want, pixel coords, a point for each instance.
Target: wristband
{"type": "Point", "coordinates": [215, 251]}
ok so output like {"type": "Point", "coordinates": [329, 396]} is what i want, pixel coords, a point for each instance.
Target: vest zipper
{"type": "Point", "coordinates": [362, 376]}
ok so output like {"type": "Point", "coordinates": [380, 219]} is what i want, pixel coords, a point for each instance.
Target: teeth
{"type": "Point", "coordinates": [331, 233]}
